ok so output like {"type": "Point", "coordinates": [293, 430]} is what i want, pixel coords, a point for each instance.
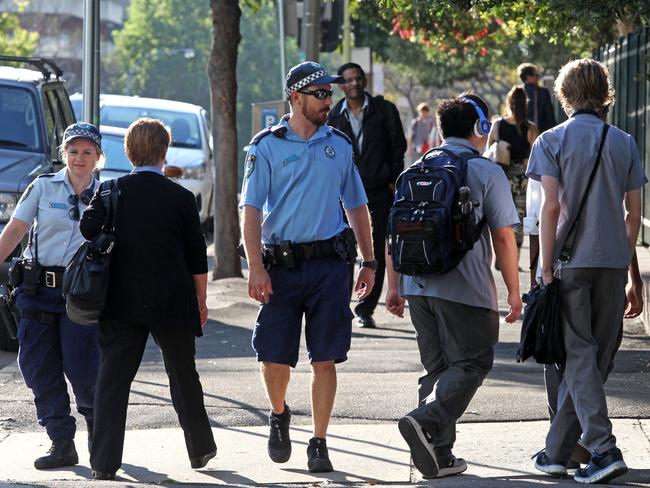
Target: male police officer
{"type": "Point", "coordinates": [455, 315]}
{"type": "Point", "coordinates": [297, 174]}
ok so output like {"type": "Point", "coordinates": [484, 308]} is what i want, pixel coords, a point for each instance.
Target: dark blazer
{"type": "Point", "coordinates": [540, 107]}
{"type": "Point", "coordinates": [381, 158]}
{"type": "Point", "coordinates": [159, 245]}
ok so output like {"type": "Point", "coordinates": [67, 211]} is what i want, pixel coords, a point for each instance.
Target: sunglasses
{"type": "Point", "coordinates": [74, 213]}
{"type": "Point", "coordinates": [321, 94]}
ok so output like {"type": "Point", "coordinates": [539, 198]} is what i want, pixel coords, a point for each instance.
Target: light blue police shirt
{"type": "Point", "coordinates": [472, 282]}
{"type": "Point", "coordinates": [299, 184]}
{"type": "Point", "coordinates": [45, 201]}
{"type": "Point", "coordinates": [568, 152]}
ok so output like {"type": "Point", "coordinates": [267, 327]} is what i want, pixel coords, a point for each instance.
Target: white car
{"type": "Point", "coordinates": [191, 148]}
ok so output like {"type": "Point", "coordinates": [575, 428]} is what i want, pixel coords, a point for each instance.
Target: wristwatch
{"type": "Point", "coordinates": [370, 264]}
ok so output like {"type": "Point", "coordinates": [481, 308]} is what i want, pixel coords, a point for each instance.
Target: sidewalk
{"type": "Point", "coordinates": [371, 455]}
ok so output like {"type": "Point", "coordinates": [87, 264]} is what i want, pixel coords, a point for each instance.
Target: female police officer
{"type": "Point", "coordinates": [51, 345]}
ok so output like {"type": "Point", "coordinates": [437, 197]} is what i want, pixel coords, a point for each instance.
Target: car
{"type": "Point", "coordinates": [35, 110]}
{"type": "Point", "coordinates": [191, 147]}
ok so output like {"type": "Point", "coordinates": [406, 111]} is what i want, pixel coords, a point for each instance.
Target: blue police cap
{"type": "Point", "coordinates": [82, 130]}
{"type": "Point", "coordinates": [306, 74]}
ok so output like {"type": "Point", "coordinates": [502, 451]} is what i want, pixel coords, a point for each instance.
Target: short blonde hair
{"type": "Point", "coordinates": [583, 84]}
{"type": "Point", "coordinates": [423, 106]}
{"type": "Point", "coordinates": [146, 142]}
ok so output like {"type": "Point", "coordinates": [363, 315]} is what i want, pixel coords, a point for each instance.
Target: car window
{"type": "Point", "coordinates": [184, 127]}
{"type": "Point", "coordinates": [19, 128]}
{"type": "Point", "coordinates": [66, 109]}
{"type": "Point", "coordinates": [113, 147]}
{"type": "Point", "coordinates": [56, 113]}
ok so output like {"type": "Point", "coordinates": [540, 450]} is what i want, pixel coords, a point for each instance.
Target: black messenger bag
{"type": "Point", "coordinates": [85, 280]}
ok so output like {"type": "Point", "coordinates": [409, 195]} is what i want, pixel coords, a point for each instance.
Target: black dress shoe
{"type": "Point", "coordinates": [100, 475]}
{"type": "Point", "coordinates": [201, 461]}
{"type": "Point", "coordinates": [366, 322]}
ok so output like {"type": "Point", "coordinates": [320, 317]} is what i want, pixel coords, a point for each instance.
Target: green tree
{"type": "Point", "coordinates": [152, 51]}
{"type": "Point", "coordinates": [14, 40]}
{"type": "Point", "coordinates": [469, 36]}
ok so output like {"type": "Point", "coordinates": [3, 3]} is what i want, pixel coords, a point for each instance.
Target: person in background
{"type": "Point", "coordinates": [422, 132]}
{"type": "Point", "coordinates": [520, 133]}
{"type": "Point", "coordinates": [157, 286]}
{"type": "Point", "coordinates": [592, 282]}
{"type": "Point", "coordinates": [51, 346]}
{"type": "Point", "coordinates": [375, 129]}
{"type": "Point", "coordinates": [540, 107]}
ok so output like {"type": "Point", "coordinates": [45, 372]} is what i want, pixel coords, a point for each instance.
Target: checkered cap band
{"type": "Point", "coordinates": [304, 82]}
{"type": "Point", "coordinates": [82, 131]}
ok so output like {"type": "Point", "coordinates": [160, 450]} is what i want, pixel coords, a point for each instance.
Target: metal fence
{"type": "Point", "coordinates": [628, 61]}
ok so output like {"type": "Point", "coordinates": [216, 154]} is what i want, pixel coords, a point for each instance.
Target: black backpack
{"type": "Point", "coordinates": [432, 223]}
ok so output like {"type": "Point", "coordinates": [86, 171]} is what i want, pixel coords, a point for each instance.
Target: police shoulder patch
{"type": "Point", "coordinates": [250, 164]}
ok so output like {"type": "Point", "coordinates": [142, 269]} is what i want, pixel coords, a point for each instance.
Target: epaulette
{"type": "Point", "coordinates": [341, 133]}
{"type": "Point", "coordinates": [277, 130]}
{"type": "Point", "coordinates": [46, 175]}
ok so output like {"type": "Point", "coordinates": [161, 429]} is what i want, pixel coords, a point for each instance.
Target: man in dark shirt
{"type": "Point", "coordinates": [379, 145]}
{"type": "Point", "coordinates": [540, 108]}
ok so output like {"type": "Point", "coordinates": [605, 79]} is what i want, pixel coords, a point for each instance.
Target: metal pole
{"type": "Point", "coordinates": [347, 41]}
{"type": "Point", "coordinates": [283, 62]}
{"type": "Point", "coordinates": [90, 68]}
{"type": "Point", "coordinates": [311, 29]}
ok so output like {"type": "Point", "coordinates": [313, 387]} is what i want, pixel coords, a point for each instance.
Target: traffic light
{"type": "Point", "coordinates": [331, 24]}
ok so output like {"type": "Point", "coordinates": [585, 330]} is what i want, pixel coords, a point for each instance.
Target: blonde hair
{"type": "Point", "coordinates": [146, 141]}
{"type": "Point", "coordinates": [423, 106]}
{"type": "Point", "coordinates": [583, 84]}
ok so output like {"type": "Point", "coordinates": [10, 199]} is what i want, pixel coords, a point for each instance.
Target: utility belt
{"type": "Point", "coordinates": [288, 254]}
{"type": "Point", "coordinates": [29, 274]}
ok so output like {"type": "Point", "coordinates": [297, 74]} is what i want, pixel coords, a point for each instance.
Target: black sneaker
{"type": "Point", "coordinates": [422, 450]}
{"type": "Point", "coordinates": [62, 453]}
{"type": "Point", "coordinates": [318, 460]}
{"type": "Point", "coordinates": [279, 445]}
{"type": "Point", "coordinates": [450, 466]}
{"type": "Point", "coordinates": [546, 465]}
{"type": "Point", "coordinates": [602, 467]}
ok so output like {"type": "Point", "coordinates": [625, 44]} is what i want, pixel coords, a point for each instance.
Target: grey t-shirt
{"type": "Point", "coordinates": [471, 282]}
{"type": "Point", "coordinates": [568, 153]}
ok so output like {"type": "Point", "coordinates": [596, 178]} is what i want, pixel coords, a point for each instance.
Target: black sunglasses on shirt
{"type": "Point", "coordinates": [321, 93]}
{"type": "Point", "coordinates": [74, 213]}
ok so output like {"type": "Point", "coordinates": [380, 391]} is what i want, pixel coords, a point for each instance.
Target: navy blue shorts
{"type": "Point", "coordinates": [318, 290]}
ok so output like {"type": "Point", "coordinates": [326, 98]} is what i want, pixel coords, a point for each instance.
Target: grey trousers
{"type": "Point", "coordinates": [593, 302]}
{"type": "Point", "coordinates": [456, 344]}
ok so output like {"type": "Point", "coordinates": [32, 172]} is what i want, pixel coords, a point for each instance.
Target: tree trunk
{"type": "Point", "coordinates": [222, 72]}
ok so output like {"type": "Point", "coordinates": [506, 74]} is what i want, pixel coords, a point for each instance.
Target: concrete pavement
{"type": "Point", "coordinates": [363, 454]}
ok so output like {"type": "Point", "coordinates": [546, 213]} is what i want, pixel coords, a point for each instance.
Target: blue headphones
{"type": "Point", "coordinates": [483, 125]}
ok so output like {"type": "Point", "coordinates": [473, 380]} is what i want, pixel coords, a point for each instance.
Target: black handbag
{"type": "Point", "coordinates": [541, 331]}
{"type": "Point", "coordinates": [85, 280]}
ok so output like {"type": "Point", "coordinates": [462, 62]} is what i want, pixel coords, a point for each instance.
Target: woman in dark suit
{"type": "Point", "coordinates": [158, 281]}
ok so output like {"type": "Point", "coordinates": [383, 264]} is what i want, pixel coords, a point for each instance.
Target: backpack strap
{"type": "Point", "coordinates": [110, 199]}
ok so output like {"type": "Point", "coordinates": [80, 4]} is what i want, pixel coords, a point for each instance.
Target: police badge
{"type": "Point", "coordinates": [329, 152]}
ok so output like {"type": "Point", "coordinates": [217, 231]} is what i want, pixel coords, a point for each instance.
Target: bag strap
{"type": "Point", "coordinates": [110, 199]}
{"type": "Point", "coordinates": [567, 248]}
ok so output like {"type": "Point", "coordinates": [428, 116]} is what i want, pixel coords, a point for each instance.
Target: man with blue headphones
{"type": "Point", "coordinates": [456, 314]}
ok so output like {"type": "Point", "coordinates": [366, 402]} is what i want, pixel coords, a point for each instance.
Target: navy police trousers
{"type": "Point", "coordinates": [50, 348]}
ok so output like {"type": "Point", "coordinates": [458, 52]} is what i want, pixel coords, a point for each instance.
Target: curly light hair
{"type": "Point", "coordinates": [583, 84]}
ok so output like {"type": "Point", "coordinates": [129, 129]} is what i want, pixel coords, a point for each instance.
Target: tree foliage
{"type": "Point", "coordinates": [14, 40]}
{"type": "Point", "coordinates": [443, 40]}
{"type": "Point", "coordinates": [149, 50]}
